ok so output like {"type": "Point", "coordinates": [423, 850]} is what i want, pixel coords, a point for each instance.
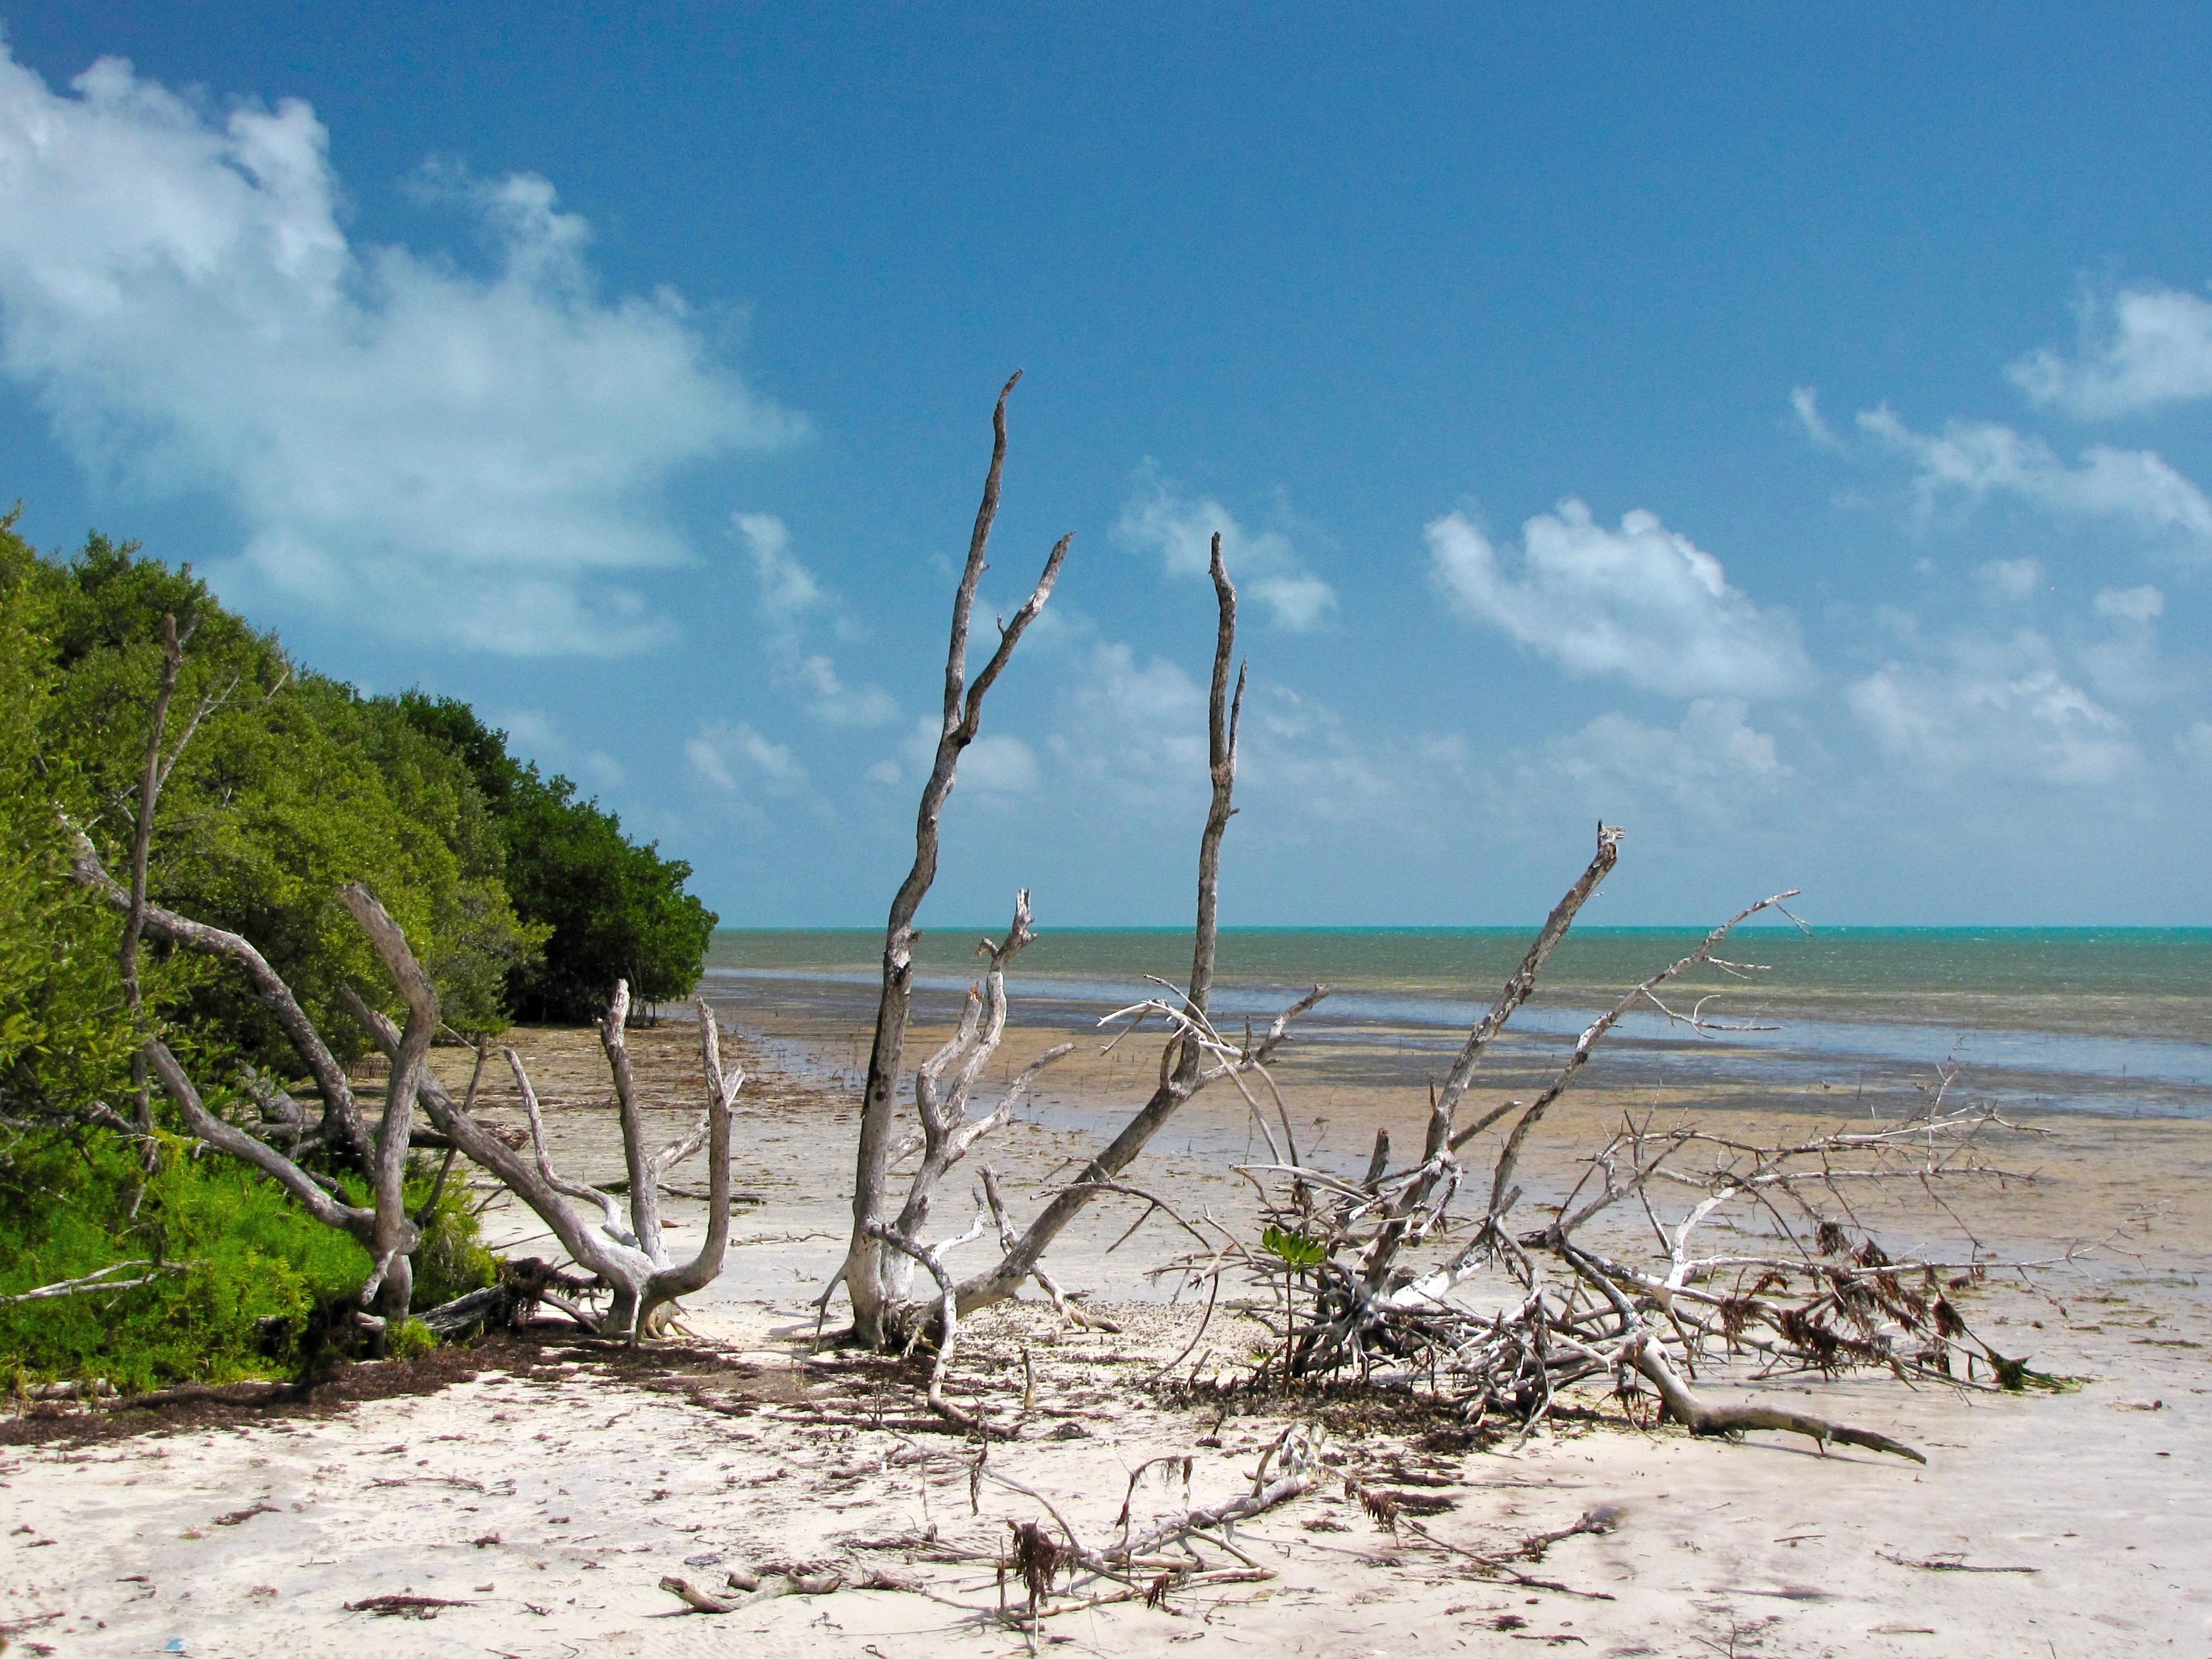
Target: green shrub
{"type": "Point", "coordinates": [244, 1261]}
{"type": "Point", "coordinates": [247, 1266]}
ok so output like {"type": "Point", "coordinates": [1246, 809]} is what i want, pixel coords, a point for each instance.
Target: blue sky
{"type": "Point", "coordinates": [1784, 436]}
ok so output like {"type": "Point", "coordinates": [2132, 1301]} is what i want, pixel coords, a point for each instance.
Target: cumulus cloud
{"type": "Point", "coordinates": [1179, 531]}
{"type": "Point", "coordinates": [789, 596]}
{"type": "Point", "coordinates": [1000, 765]}
{"type": "Point", "coordinates": [1132, 728]}
{"type": "Point", "coordinates": [2125, 664]}
{"type": "Point", "coordinates": [787, 588]}
{"type": "Point", "coordinates": [738, 760]}
{"type": "Point", "coordinates": [1712, 756]}
{"type": "Point", "coordinates": [1996, 709]}
{"type": "Point", "coordinates": [1304, 757]}
{"type": "Point", "coordinates": [1641, 602]}
{"type": "Point", "coordinates": [538, 736]}
{"type": "Point", "coordinates": [477, 457]}
{"type": "Point", "coordinates": [1979, 459]}
{"type": "Point", "coordinates": [995, 764]}
{"type": "Point", "coordinates": [2147, 348]}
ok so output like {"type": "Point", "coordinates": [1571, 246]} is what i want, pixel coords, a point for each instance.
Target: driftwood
{"type": "Point", "coordinates": [623, 1253]}
{"type": "Point", "coordinates": [1803, 1296]}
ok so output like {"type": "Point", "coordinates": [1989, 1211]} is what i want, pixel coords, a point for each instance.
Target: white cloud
{"type": "Point", "coordinates": [1641, 602]}
{"type": "Point", "coordinates": [789, 595]}
{"type": "Point", "coordinates": [729, 757]}
{"type": "Point", "coordinates": [1133, 729]}
{"type": "Point", "coordinates": [1299, 755]}
{"type": "Point", "coordinates": [829, 698]}
{"type": "Point", "coordinates": [2132, 604]}
{"type": "Point", "coordinates": [2194, 746]}
{"type": "Point", "coordinates": [1000, 765]}
{"type": "Point", "coordinates": [787, 588]}
{"type": "Point", "coordinates": [994, 764]}
{"type": "Point", "coordinates": [479, 457]}
{"type": "Point", "coordinates": [2126, 665]}
{"type": "Point", "coordinates": [534, 735]}
{"type": "Point", "coordinates": [1805, 400]}
{"type": "Point", "coordinates": [2011, 580]}
{"type": "Point", "coordinates": [603, 769]}
{"type": "Point", "coordinates": [1979, 458]}
{"type": "Point", "coordinates": [1703, 764]}
{"type": "Point", "coordinates": [1998, 708]}
{"type": "Point", "coordinates": [2153, 347]}
{"type": "Point", "coordinates": [1179, 530]}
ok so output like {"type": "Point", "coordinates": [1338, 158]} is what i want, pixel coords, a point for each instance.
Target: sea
{"type": "Point", "coordinates": [2112, 1021]}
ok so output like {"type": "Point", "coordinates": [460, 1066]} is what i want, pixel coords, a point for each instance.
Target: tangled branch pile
{"type": "Point", "coordinates": [1621, 1277]}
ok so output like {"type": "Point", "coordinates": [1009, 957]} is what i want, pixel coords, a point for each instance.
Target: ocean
{"type": "Point", "coordinates": [2101, 1020]}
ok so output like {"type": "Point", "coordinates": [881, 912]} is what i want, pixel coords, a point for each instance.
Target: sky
{"type": "Point", "coordinates": [1781, 432]}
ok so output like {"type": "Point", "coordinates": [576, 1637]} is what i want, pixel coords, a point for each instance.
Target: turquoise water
{"type": "Point", "coordinates": [2090, 1018]}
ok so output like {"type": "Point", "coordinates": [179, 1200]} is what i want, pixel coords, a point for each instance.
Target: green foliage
{"type": "Point", "coordinates": [1293, 1249]}
{"type": "Point", "coordinates": [292, 785]}
{"type": "Point", "coordinates": [615, 910]}
{"type": "Point", "coordinates": [244, 1266]}
{"type": "Point", "coordinates": [451, 1262]}
{"type": "Point", "coordinates": [247, 1256]}
{"type": "Point", "coordinates": [63, 1035]}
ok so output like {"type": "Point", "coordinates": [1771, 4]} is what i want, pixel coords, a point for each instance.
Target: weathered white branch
{"type": "Point", "coordinates": [610, 1210]}
{"type": "Point", "coordinates": [342, 1120]}
{"type": "Point", "coordinates": [863, 1272]}
{"type": "Point", "coordinates": [100, 1280]}
{"type": "Point", "coordinates": [638, 1283]}
{"type": "Point", "coordinates": [1223, 715]}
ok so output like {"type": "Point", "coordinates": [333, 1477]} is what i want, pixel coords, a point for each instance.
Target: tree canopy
{"type": "Point", "coordinates": [522, 900]}
{"type": "Point", "coordinates": [613, 909]}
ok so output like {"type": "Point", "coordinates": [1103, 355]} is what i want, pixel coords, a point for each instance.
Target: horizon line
{"type": "Point", "coordinates": [1502, 926]}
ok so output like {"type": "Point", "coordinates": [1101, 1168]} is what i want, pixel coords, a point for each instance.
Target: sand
{"type": "Point", "coordinates": [543, 1486]}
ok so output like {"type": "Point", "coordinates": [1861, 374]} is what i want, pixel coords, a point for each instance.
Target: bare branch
{"type": "Point", "coordinates": [863, 1272]}
{"type": "Point", "coordinates": [341, 1116]}
{"type": "Point", "coordinates": [1185, 1076]}
{"type": "Point", "coordinates": [102, 1280]}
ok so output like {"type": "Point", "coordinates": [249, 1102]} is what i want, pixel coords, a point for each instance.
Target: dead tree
{"type": "Point", "coordinates": [626, 1258]}
{"type": "Point", "coordinates": [629, 1263]}
{"type": "Point", "coordinates": [866, 1273]}
{"type": "Point", "coordinates": [1189, 1063]}
{"type": "Point", "coordinates": [1195, 1054]}
{"type": "Point", "coordinates": [383, 1227]}
{"type": "Point", "coordinates": [1514, 1315]}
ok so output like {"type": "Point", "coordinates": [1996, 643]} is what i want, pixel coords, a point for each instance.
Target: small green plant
{"type": "Point", "coordinates": [1300, 1253]}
